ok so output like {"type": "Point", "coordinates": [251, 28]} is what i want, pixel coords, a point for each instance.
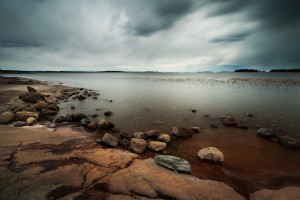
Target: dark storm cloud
{"type": "Point", "coordinates": [147, 17]}
{"type": "Point", "coordinates": [234, 37]}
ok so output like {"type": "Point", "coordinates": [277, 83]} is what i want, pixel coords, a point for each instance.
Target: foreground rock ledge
{"type": "Point", "coordinates": [145, 178]}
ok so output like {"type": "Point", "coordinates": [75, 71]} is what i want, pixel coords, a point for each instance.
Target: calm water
{"type": "Point", "coordinates": [145, 101]}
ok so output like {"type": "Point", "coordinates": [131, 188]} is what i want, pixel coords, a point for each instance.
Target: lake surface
{"type": "Point", "coordinates": [146, 101]}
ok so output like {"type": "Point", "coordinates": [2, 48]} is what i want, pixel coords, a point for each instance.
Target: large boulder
{"type": "Point", "coordinates": [110, 140]}
{"type": "Point", "coordinates": [103, 123]}
{"type": "Point", "coordinates": [267, 133]}
{"type": "Point", "coordinates": [138, 145]}
{"type": "Point", "coordinates": [32, 97]}
{"type": "Point", "coordinates": [6, 117]}
{"type": "Point", "coordinates": [157, 146]}
{"type": "Point", "coordinates": [211, 154]}
{"type": "Point", "coordinates": [287, 193]}
{"type": "Point", "coordinates": [182, 132]}
{"type": "Point", "coordinates": [289, 142]}
{"type": "Point", "coordinates": [24, 115]}
{"type": "Point", "coordinates": [173, 163]}
{"type": "Point", "coordinates": [164, 138]}
{"type": "Point", "coordinates": [230, 121]}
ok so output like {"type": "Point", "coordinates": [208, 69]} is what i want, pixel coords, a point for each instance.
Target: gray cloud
{"type": "Point", "coordinates": [234, 37]}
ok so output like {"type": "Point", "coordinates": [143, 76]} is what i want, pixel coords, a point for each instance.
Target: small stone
{"type": "Point", "coordinates": [31, 121]}
{"type": "Point", "coordinates": [6, 117]}
{"type": "Point", "coordinates": [79, 116]}
{"type": "Point", "coordinates": [214, 126]}
{"type": "Point", "coordinates": [95, 98]}
{"type": "Point", "coordinates": [182, 132]}
{"type": "Point", "coordinates": [31, 89]}
{"type": "Point", "coordinates": [249, 115]}
{"type": "Point", "coordinates": [230, 121]}
{"type": "Point", "coordinates": [173, 163]}
{"type": "Point", "coordinates": [48, 112]}
{"type": "Point", "coordinates": [60, 119]}
{"type": "Point", "coordinates": [94, 115]}
{"type": "Point", "coordinates": [110, 140]}
{"type": "Point", "coordinates": [103, 123]}
{"type": "Point", "coordinates": [289, 142]}
{"type": "Point", "coordinates": [267, 133]}
{"type": "Point", "coordinates": [72, 107]}
{"type": "Point", "coordinates": [164, 138]}
{"type": "Point", "coordinates": [193, 111]}
{"type": "Point", "coordinates": [51, 126]}
{"type": "Point", "coordinates": [157, 146]}
{"type": "Point", "coordinates": [243, 126]}
{"type": "Point", "coordinates": [19, 123]}
{"type": "Point", "coordinates": [138, 145]}
{"type": "Point", "coordinates": [85, 121]}
{"type": "Point", "coordinates": [81, 97]}
{"type": "Point", "coordinates": [211, 154]}
{"type": "Point", "coordinates": [195, 129]}
{"type": "Point", "coordinates": [53, 107]}
{"type": "Point", "coordinates": [139, 135]}
{"type": "Point", "coordinates": [108, 113]}
{"type": "Point", "coordinates": [92, 126]}
{"type": "Point", "coordinates": [40, 105]}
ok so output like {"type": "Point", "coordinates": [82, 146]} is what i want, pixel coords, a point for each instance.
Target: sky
{"type": "Point", "coordinates": [149, 35]}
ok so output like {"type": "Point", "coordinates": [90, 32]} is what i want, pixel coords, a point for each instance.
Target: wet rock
{"type": "Point", "coordinates": [214, 126]}
{"type": "Point", "coordinates": [138, 145]}
{"type": "Point", "coordinates": [72, 107]}
{"type": "Point", "coordinates": [19, 123]}
{"type": "Point", "coordinates": [94, 115]}
{"type": "Point", "coordinates": [196, 129]}
{"type": "Point", "coordinates": [243, 126]}
{"type": "Point", "coordinates": [78, 117]}
{"type": "Point", "coordinates": [267, 133]}
{"type": "Point", "coordinates": [95, 98]}
{"type": "Point", "coordinates": [230, 121]}
{"type": "Point", "coordinates": [110, 140]}
{"type": "Point", "coordinates": [164, 138]}
{"type": "Point", "coordinates": [51, 126]}
{"type": "Point", "coordinates": [206, 115]}
{"type": "Point", "coordinates": [31, 89]}
{"type": "Point", "coordinates": [108, 113]}
{"type": "Point", "coordinates": [48, 112]}
{"type": "Point", "coordinates": [69, 117]}
{"type": "Point", "coordinates": [182, 132]}
{"type": "Point", "coordinates": [103, 123]}
{"type": "Point", "coordinates": [289, 142]}
{"type": "Point", "coordinates": [158, 123]}
{"type": "Point", "coordinates": [115, 130]}
{"type": "Point", "coordinates": [24, 115]}
{"type": "Point", "coordinates": [193, 111]}
{"type": "Point", "coordinates": [92, 126]}
{"type": "Point", "coordinates": [60, 119]}
{"type": "Point", "coordinates": [40, 105]}
{"type": "Point", "coordinates": [139, 135]}
{"type": "Point", "coordinates": [157, 146]}
{"type": "Point", "coordinates": [150, 181]}
{"type": "Point", "coordinates": [249, 115]}
{"type": "Point", "coordinates": [20, 108]}
{"type": "Point", "coordinates": [32, 97]}
{"type": "Point", "coordinates": [85, 121]}
{"type": "Point", "coordinates": [53, 107]}
{"type": "Point", "coordinates": [125, 142]}
{"type": "Point", "coordinates": [110, 101]}
{"type": "Point", "coordinates": [6, 117]}
{"type": "Point", "coordinates": [211, 154]}
{"type": "Point", "coordinates": [287, 193]}
{"type": "Point", "coordinates": [31, 121]}
{"type": "Point", "coordinates": [81, 97]}
{"type": "Point", "coordinates": [153, 134]}
{"type": "Point", "coordinates": [173, 163]}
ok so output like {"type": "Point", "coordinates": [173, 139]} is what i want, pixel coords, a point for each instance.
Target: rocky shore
{"type": "Point", "coordinates": [41, 161]}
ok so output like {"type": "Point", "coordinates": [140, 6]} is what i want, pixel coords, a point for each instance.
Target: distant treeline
{"type": "Point", "coordinates": [30, 72]}
{"type": "Point", "coordinates": [273, 70]}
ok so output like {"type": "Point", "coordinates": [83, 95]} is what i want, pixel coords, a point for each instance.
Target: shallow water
{"type": "Point", "coordinates": [145, 101]}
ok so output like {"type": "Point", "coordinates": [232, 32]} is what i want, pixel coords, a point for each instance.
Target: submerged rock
{"type": "Point", "coordinates": [138, 145]}
{"type": "Point", "coordinates": [182, 132]}
{"type": "Point", "coordinates": [164, 138]}
{"type": "Point", "coordinates": [110, 140]}
{"type": "Point", "coordinates": [289, 142]}
{"type": "Point", "coordinates": [173, 163]}
{"type": "Point", "coordinates": [249, 115]}
{"type": "Point", "coordinates": [267, 133]}
{"type": "Point", "coordinates": [211, 154]}
{"type": "Point", "coordinates": [108, 113]}
{"type": "Point", "coordinates": [6, 117]}
{"type": "Point", "coordinates": [157, 146]}
{"type": "Point", "coordinates": [230, 121]}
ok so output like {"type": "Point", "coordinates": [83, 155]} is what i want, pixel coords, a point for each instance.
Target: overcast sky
{"type": "Point", "coordinates": [149, 35]}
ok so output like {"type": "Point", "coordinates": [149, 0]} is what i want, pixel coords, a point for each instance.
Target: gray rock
{"type": "Point", "coordinates": [138, 145]}
{"type": "Point", "coordinates": [173, 163]}
{"type": "Point", "coordinates": [267, 133]}
{"type": "Point", "coordinates": [6, 117]}
{"type": "Point", "coordinates": [110, 140]}
{"type": "Point", "coordinates": [85, 121]}
{"type": "Point", "coordinates": [182, 132]}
